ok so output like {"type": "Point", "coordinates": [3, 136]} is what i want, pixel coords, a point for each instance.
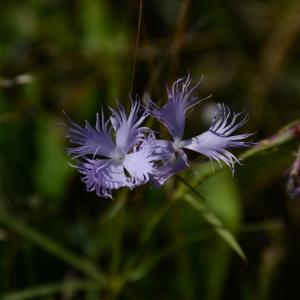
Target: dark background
{"type": "Point", "coordinates": [79, 55]}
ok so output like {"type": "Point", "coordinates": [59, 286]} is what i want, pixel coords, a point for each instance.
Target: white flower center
{"type": "Point", "coordinates": [178, 144]}
{"type": "Point", "coordinates": [118, 156]}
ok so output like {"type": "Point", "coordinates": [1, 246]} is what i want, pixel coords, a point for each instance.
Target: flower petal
{"type": "Point", "coordinates": [102, 176]}
{"type": "Point", "coordinates": [215, 142]}
{"type": "Point", "coordinates": [139, 165]}
{"type": "Point", "coordinates": [128, 130]}
{"type": "Point", "coordinates": [173, 114]}
{"type": "Point", "coordinates": [94, 141]}
{"type": "Point", "coordinates": [176, 163]}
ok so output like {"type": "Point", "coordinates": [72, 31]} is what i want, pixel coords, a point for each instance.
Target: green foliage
{"type": "Point", "coordinates": [51, 172]}
{"type": "Point", "coordinates": [206, 234]}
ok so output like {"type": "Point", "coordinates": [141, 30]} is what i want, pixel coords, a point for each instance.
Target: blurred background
{"type": "Point", "coordinates": [58, 241]}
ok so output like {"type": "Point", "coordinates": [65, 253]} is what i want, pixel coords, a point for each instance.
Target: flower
{"type": "Point", "coordinates": [109, 162]}
{"type": "Point", "coordinates": [173, 113]}
{"type": "Point", "coordinates": [213, 143]}
{"type": "Point", "coordinates": [120, 152]}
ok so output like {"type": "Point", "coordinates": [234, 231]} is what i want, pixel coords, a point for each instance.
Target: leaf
{"type": "Point", "coordinates": [51, 170]}
{"type": "Point", "coordinates": [216, 224]}
{"type": "Point", "coordinates": [231, 241]}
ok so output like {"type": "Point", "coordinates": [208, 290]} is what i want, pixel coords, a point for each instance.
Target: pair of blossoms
{"type": "Point", "coordinates": [120, 152]}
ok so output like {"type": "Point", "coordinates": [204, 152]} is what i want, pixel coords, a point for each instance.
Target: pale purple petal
{"type": "Point", "coordinates": [131, 170]}
{"type": "Point", "coordinates": [215, 142]}
{"type": "Point", "coordinates": [156, 161]}
{"type": "Point", "coordinates": [128, 130]}
{"type": "Point", "coordinates": [102, 176]}
{"type": "Point", "coordinates": [90, 140]}
{"type": "Point", "coordinates": [139, 165]}
{"type": "Point", "coordinates": [161, 149]}
{"type": "Point", "coordinates": [176, 163]}
{"type": "Point", "coordinates": [173, 114]}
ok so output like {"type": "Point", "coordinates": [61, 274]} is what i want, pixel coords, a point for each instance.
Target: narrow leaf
{"type": "Point", "coordinates": [211, 219]}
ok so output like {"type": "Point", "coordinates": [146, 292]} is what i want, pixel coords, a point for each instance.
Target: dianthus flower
{"type": "Point", "coordinates": [119, 152]}
{"type": "Point", "coordinates": [213, 143]}
{"type": "Point", "coordinates": [115, 153]}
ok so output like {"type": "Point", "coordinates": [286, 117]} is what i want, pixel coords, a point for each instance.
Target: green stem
{"type": "Point", "coordinates": [284, 136]}
{"type": "Point", "coordinates": [117, 235]}
{"type": "Point", "coordinates": [289, 133]}
{"type": "Point", "coordinates": [185, 182]}
{"type": "Point", "coordinates": [156, 218]}
{"type": "Point", "coordinates": [50, 289]}
{"type": "Point", "coordinates": [136, 45]}
{"type": "Point", "coordinates": [52, 247]}
{"type": "Point", "coordinates": [148, 264]}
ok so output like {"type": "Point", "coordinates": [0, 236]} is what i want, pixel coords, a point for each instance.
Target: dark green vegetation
{"type": "Point", "coordinates": [203, 236]}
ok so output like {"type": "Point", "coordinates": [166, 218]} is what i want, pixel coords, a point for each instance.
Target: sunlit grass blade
{"type": "Point", "coordinates": [216, 224]}
{"type": "Point", "coordinates": [149, 263]}
{"type": "Point", "coordinates": [284, 136]}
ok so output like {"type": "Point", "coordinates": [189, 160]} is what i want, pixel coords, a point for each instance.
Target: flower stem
{"type": "Point", "coordinates": [42, 291]}
{"type": "Point", "coordinates": [52, 247]}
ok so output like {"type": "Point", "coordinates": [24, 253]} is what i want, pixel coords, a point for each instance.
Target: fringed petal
{"type": "Point", "coordinates": [90, 140]}
{"type": "Point", "coordinates": [173, 114]}
{"type": "Point", "coordinates": [176, 163]}
{"type": "Point", "coordinates": [102, 176]}
{"type": "Point", "coordinates": [128, 130]}
{"type": "Point", "coordinates": [140, 166]}
{"type": "Point", "coordinates": [215, 142]}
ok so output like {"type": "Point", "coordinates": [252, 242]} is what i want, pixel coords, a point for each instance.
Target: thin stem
{"type": "Point", "coordinates": [52, 247]}
{"type": "Point", "coordinates": [148, 264]}
{"type": "Point", "coordinates": [289, 133]}
{"type": "Point", "coordinates": [118, 228]}
{"type": "Point", "coordinates": [283, 137]}
{"type": "Point", "coordinates": [50, 289]}
{"type": "Point", "coordinates": [156, 218]}
{"type": "Point", "coordinates": [183, 8]}
{"type": "Point", "coordinates": [181, 179]}
{"type": "Point", "coordinates": [136, 45]}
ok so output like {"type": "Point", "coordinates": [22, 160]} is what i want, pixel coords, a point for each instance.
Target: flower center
{"type": "Point", "coordinates": [118, 156]}
{"type": "Point", "coordinates": [178, 144]}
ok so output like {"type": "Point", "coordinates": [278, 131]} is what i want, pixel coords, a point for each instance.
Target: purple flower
{"type": "Point", "coordinates": [120, 152]}
{"type": "Point", "coordinates": [213, 143]}
{"type": "Point", "coordinates": [173, 114]}
{"type": "Point", "coordinates": [115, 153]}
